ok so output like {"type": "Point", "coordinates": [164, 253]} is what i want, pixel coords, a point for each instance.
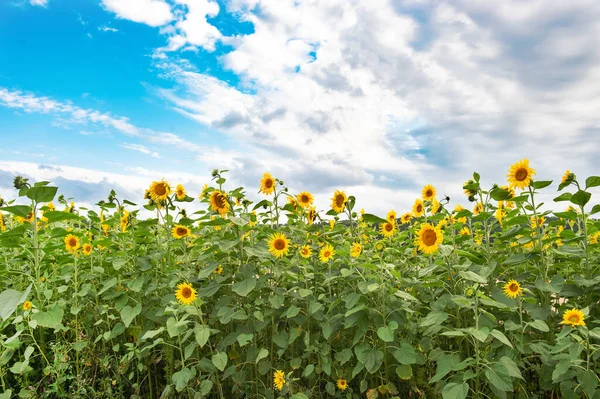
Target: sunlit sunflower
{"type": "Point", "coordinates": [27, 305]}
{"type": "Point", "coordinates": [178, 231]}
{"type": "Point", "coordinates": [567, 177]}
{"type": "Point", "coordinates": [279, 245]}
{"type": "Point", "coordinates": [279, 379]}
{"type": "Point", "coordinates": [305, 199]}
{"type": "Point", "coordinates": [429, 238]}
{"type": "Point", "coordinates": [537, 223]}
{"type": "Point", "coordinates": [105, 228]}
{"type": "Point", "coordinates": [428, 192]}
{"type": "Point", "coordinates": [87, 249]}
{"type": "Point", "coordinates": [512, 289]}
{"type": "Point", "coordinates": [203, 192]}
{"type": "Point", "coordinates": [405, 218]}
{"type": "Point", "coordinates": [573, 317]}
{"type": "Point", "coordinates": [355, 250]}
{"type": "Point", "coordinates": [435, 206]}
{"type": "Point", "coordinates": [267, 184]}
{"type": "Point", "coordinates": [388, 229]}
{"type": "Point", "coordinates": [305, 251]}
{"type": "Point", "coordinates": [219, 202]}
{"type": "Point", "coordinates": [465, 231]}
{"type": "Point", "coordinates": [292, 201]}
{"type": "Point", "coordinates": [185, 294]}
{"type": "Point", "coordinates": [332, 223]}
{"type": "Point", "coordinates": [71, 243]}
{"type": "Point", "coordinates": [462, 219]}
{"type": "Point", "coordinates": [327, 252]}
{"type": "Point", "coordinates": [311, 215]}
{"type": "Point", "coordinates": [391, 216]}
{"type": "Point", "coordinates": [520, 174]}
{"type": "Point", "coordinates": [593, 239]}
{"type": "Point", "coordinates": [342, 384]}
{"type": "Point", "coordinates": [51, 206]}
{"type": "Point", "coordinates": [181, 192]}
{"type": "Point", "coordinates": [338, 201]}
{"type": "Point", "coordinates": [159, 191]}
{"type": "Point", "coordinates": [418, 208]}
{"type": "Point", "coordinates": [500, 214]}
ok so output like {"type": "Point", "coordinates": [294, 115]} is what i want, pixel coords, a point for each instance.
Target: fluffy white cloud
{"type": "Point", "coordinates": [41, 3]}
{"type": "Point", "coordinates": [150, 12]}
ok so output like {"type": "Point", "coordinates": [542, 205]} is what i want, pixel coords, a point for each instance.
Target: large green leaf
{"type": "Point", "coordinates": [455, 391]}
{"type": "Point", "coordinates": [42, 193]}
{"type": "Point", "coordinates": [50, 318]}
{"type": "Point", "coordinates": [243, 288]}
{"type": "Point", "coordinates": [10, 299]}
{"type": "Point", "coordinates": [128, 313]}
{"type": "Point", "coordinates": [220, 360]}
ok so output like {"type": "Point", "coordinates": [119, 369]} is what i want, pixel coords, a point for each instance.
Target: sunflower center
{"type": "Point", "coordinates": [339, 200]}
{"type": "Point", "coordinates": [304, 198]}
{"type": "Point", "coordinates": [268, 183]}
{"type": "Point", "coordinates": [160, 189]}
{"type": "Point", "coordinates": [574, 319]}
{"type": "Point", "coordinates": [72, 242]}
{"type": "Point", "coordinates": [181, 231]}
{"type": "Point", "coordinates": [186, 292]}
{"type": "Point", "coordinates": [513, 287]}
{"type": "Point", "coordinates": [389, 227]}
{"type": "Point", "coordinates": [419, 208]}
{"type": "Point", "coordinates": [429, 237]}
{"type": "Point", "coordinates": [326, 254]}
{"type": "Point", "coordinates": [279, 244]}
{"type": "Point", "coordinates": [521, 174]}
{"type": "Point", "coordinates": [180, 193]}
{"type": "Point", "coordinates": [428, 193]}
{"type": "Point", "coordinates": [219, 200]}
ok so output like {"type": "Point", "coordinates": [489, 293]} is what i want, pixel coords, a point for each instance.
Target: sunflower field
{"type": "Point", "coordinates": [278, 299]}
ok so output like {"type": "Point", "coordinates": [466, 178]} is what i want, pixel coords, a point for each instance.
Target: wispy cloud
{"type": "Point", "coordinates": [140, 148]}
{"type": "Point", "coordinates": [104, 28]}
{"type": "Point", "coordinates": [41, 3]}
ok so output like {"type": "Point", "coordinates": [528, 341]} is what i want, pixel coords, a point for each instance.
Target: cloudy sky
{"type": "Point", "coordinates": [374, 97]}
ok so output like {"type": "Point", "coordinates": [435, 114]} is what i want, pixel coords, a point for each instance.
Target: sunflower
{"type": "Point", "coordinates": [391, 216]}
{"type": "Point", "coordinates": [500, 214]}
{"type": "Point", "coordinates": [435, 206]}
{"type": "Point", "coordinates": [342, 384]}
{"type": "Point", "coordinates": [305, 251]}
{"type": "Point", "coordinates": [594, 238]}
{"type": "Point", "coordinates": [539, 223]}
{"type": "Point", "coordinates": [267, 184]}
{"type": "Point", "coordinates": [387, 229]}
{"type": "Point", "coordinates": [87, 249]}
{"type": "Point", "coordinates": [520, 174]}
{"type": "Point", "coordinates": [292, 201]}
{"type": "Point", "coordinates": [429, 238]}
{"type": "Point", "coordinates": [203, 192]}
{"type": "Point", "coordinates": [478, 208]}
{"type": "Point", "coordinates": [418, 208]}
{"type": "Point", "coordinates": [279, 245]}
{"type": "Point", "coordinates": [428, 192]}
{"type": "Point", "coordinates": [512, 289]}
{"type": "Point", "coordinates": [105, 228]}
{"type": "Point", "coordinates": [27, 305]}
{"type": "Point", "coordinates": [178, 231]}
{"type": "Point", "coordinates": [279, 379]}
{"type": "Point", "coordinates": [457, 209]}
{"type": "Point", "coordinates": [218, 270]}
{"type": "Point", "coordinates": [573, 317]}
{"type": "Point", "coordinates": [311, 215]}
{"type": "Point", "coordinates": [355, 250]}
{"type": "Point", "coordinates": [567, 177]}
{"type": "Point", "coordinates": [71, 243]}
{"type": "Point", "coordinates": [180, 192]}
{"type": "Point", "coordinates": [338, 201]}
{"type": "Point", "coordinates": [305, 199]}
{"type": "Point", "coordinates": [218, 202]}
{"type": "Point", "coordinates": [379, 246]}
{"type": "Point", "coordinates": [50, 206]}
{"type": "Point", "coordinates": [405, 218]}
{"type": "Point", "coordinates": [469, 192]}
{"type": "Point", "coordinates": [185, 294]}
{"type": "Point", "coordinates": [326, 253]}
{"type": "Point", "coordinates": [253, 219]}
{"type": "Point", "coordinates": [159, 190]}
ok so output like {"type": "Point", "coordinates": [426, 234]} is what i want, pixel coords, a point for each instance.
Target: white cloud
{"type": "Point", "coordinates": [140, 148]}
{"type": "Point", "coordinates": [149, 12]}
{"type": "Point", "coordinates": [41, 3]}
{"type": "Point", "coordinates": [104, 28]}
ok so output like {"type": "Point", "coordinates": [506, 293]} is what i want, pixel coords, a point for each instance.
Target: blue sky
{"type": "Point", "coordinates": [375, 97]}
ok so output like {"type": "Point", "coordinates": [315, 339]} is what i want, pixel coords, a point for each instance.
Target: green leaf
{"type": "Point", "coordinates": [386, 334]}
{"type": "Point", "coordinates": [588, 379]}
{"type": "Point", "coordinates": [128, 313]}
{"type": "Point", "coordinates": [244, 339]}
{"type": "Point", "coordinates": [51, 318]}
{"type": "Point", "coordinates": [581, 198]}
{"type": "Point", "coordinates": [455, 391]}
{"type": "Point", "coordinates": [261, 355]}
{"type": "Point", "coordinates": [595, 209]}
{"type": "Point", "coordinates": [404, 371]}
{"type": "Point", "coordinates": [205, 387]}
{"type": "Point", "coordinates": [6, 395]}
{"type": "Point", "coordinates": [500, 337]}
{"type": "Point", "coordinates": [539, 325]}
{"type": "Point", "coordinates": [445, 364]}
{"type": "Point", "coordinates": [108, 285]}
{"type": "Point", "coordinates": [243, 288]}
{"type": "Point", "coordinates": [563, 197]}
{"type": "Point", "coordinates": [298, 396]}
{"type": "Point", "coordinates": [471, 276]}
{"type": "Point", "coordinates": [539, 184]}
{"type": "Point", "coordinates": [592, 181]}
{"type": "Point", "coordinates": [182, 377]}
{"type": "Point", "coordinates": [58, 216]}
{"type": "Point", "coordinates": [220, 360]}
{"type": "Point", "coordinates": [373, 360]}
{"type": "Point", "coordinates": [42, 194]}
{"type": "Point", "coordinates": [151, 334]}
{"type": "Point", "coordinates": [202, 333]}
{"type": "Point", "coordinates": [369, 218]}
{"type": "Point", "coordinates": [511, 367]}
{"type": "Point", "coordinates": [498, 376]}
{"type": "Point", "coordinates": [405, 354]}
{"type": "Point", "coordinates": [18, 210]}
{"type": "Point", "coordinates": [435, 317]}
{"type": "Point", "coordinates": [10, 299]}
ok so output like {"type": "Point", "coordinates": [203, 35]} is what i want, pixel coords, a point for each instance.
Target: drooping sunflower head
{"type": "Point", "coordinates": [181, 192]}
{"type": "Point", "coordinates": [338, 201]}
{"type": "Point", "coordinates": [327, 253]}
{"type": "Point", "coordinates": [342, 384]}
{"type": "Point", "coordinates": [469, 188]}
{"type": "Point", "coordinates": [428, 192]}
{"type": "Point", "coordinates": [405, 218]}
{"type": "Point", "coordinates": [178, 231]}
{"type": "Point", "coordinates": [305, 251]}
{"type": "Point", "coordinates": [292, 201]}
{"type": "Point", "coordinates": [573, 317]}
{"type": "Point", "coordinates": [388, 229]}
{"type": "Point", "coordinates": [465, 231]}
{"type": "Point", "coordinates": [279, 245]}
{"type": "Point", "coordinates": [71, 243]}
{"type": "Point", "coordinates": [267, 184]}
{"type": "Point", "coordinates": [513, 289]}
{"type": "Point", "coordinates": [568, 177]}
{"type": "Point", "coordinates": [520, 174]}
{"type": "Point", "coordinates": [203, 192]}
{"type": "Point", "coordinates": [159, 190]}
{"type": "Point", "coordinates": [219, 202]}
{"type": "Point", "coordinates": [429, 238]}
{"type": "Point", "coordinates": [478, 208]}
{"type": "Point", "coordinates": [355, 250]}
{"type": "Point", "coordinates": [391, 216]}
{"type": "Point", "coordinates": [418, 208]}
{"type": "Point", "coordinates": [27, 305]}
{"type": "Point", "coordinates": [435, 206]}
{"type": "Point", "coordinates": [511, 191]}
{"type": "Point", "coordinates": [185, 294]}
{"type": "Point", "coordinates": [279, 379]}
{"type": "Point", "coordinates": [87, 249]}
{"type": "Point", "coordinates": [311, 215]}
{"type": "Point", "coordinates": [305, 199]}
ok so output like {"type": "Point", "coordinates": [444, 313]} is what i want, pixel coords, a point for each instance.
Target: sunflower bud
{"type": "Point", "coordinates": [215, 172]}
{"type": "Point", "coordinates": [19, 182]}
